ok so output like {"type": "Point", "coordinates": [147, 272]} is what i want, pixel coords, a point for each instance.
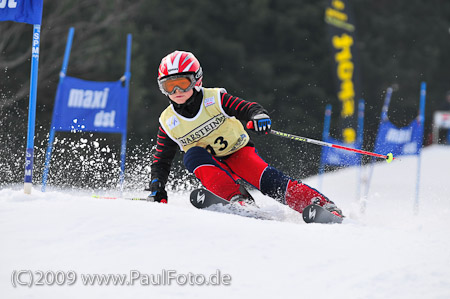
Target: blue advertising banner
{"type": "Point", "coordinates": [399, 141]}
{"type": "Point", "coordinates": [90, 106]}
{"type": "Point", "coordinates": [22, 11]}
{"type": "Point", "coordinates": [403, 141]}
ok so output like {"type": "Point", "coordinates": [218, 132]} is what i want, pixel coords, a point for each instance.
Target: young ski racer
{"type": "Point", "coordinates": [205, 124]}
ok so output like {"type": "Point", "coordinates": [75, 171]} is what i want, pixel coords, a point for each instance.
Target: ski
{"type": "Point", "coordinates": [204, 199]}
{"type": "Point", "coordinates": [317, 214]}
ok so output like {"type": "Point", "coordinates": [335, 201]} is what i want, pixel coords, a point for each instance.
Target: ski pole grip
{"type": "Point", "coordinates": [250, 125]}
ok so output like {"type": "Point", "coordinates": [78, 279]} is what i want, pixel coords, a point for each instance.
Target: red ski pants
{"type": "Point", "coordinates": [219, 175]}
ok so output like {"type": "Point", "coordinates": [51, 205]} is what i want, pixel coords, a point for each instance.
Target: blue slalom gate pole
{"type": "Point", "coordinates": [325, 135]}
{"type": "Point", "coordinates": [423, 93]}
{"type": "Point", "coordinates": [29, 12]}
{"type": "Point", "coordinates": [51, 138]}
{"type": "Point", "coordinates": [384, 117]}
{"type": "Point", "coordinates": [123, 150]}
{"type": "Point", "coordinates": [359, 142]}
{"type": "Point", "coordinates": [127, 76]}
{"type": "Point", "coordinates": [29, 154]}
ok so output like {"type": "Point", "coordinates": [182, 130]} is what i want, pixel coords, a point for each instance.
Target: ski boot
{"type": "Point", "coordinates": [329, 206]}
{"type": "Point", "coordinates": [244, 198]}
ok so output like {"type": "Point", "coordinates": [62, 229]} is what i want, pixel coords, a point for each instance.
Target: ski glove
{"type": "Point", "coordinates": [261, 123]}
{"type": "Point", "coordinates": [158, 192]}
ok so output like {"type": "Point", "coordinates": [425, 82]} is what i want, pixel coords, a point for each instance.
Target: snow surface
{"type": "Point", "coordinates": [386, 252]}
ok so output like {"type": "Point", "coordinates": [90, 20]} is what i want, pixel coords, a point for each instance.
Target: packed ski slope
{"type": "Point", "coordinates": [387, 252]}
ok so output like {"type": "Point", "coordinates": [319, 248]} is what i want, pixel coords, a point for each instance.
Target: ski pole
{"type": "Point", "coordinates": [127, 198]}
{"type": "Point", "coordinates": [389, 157]}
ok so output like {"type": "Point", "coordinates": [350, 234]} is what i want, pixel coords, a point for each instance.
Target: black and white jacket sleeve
{"type": "Point", "coordinates": [240, 108]}
{"type": "Point", "coordinates": [166, 149]}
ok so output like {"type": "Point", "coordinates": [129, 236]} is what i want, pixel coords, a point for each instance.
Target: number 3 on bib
{"type": "Point", "coordinates": [220, 141]}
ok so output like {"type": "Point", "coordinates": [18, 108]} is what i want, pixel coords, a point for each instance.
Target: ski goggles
{"type": "Point", "coordinates": [183, 83]}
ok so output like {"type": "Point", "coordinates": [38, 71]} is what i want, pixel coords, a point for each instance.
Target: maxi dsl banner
{"type": "Point", "coordinates": [399, 141]}
{"type": "Point", "coordinates": [22, 11]}
{"type": "Point", "coordinates": [90, 106]}
{"type": "Point", "coordinates": [341, 31]}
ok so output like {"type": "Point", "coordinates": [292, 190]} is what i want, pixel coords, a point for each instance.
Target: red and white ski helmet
{"type": "Point", "coordinates": [179, 63]}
